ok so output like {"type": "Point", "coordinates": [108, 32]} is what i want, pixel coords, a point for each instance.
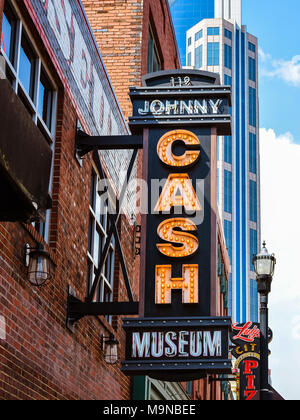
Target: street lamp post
{"type": "Point", "coordinates": [264, 265]}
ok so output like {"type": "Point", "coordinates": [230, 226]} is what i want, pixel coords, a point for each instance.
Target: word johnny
{"type": "Point", "coordinates": [181, 107]}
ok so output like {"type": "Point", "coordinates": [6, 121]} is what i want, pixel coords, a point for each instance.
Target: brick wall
{"type": "Point", "coordinates": [39, 357]}
{"type": "Point", "coordinates": [121, 29]}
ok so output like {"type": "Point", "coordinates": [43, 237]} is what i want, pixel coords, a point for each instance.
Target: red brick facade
{"type": "Point", "coordinates": [40, 358]}
{"type": "Point", "coordinates": [121, 29]}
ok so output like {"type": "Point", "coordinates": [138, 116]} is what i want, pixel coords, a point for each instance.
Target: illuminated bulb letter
{"type": "Point", "coordinates": [165, 284]}
{"type": "Point", "coordinates": [178, 192]}
{"type": "Point", "coordinates": [165, 145]}
{"type": "Point", "coordinates": [189, 243]}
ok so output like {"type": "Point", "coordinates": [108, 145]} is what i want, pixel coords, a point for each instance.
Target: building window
{"type": "Point", "coordinates": [27, 66]}
{"type": "Point", "coordinates": [251, 47]}
{"type": "Point", "coordinates": [198, 57]}
{"type": "Point", "coordinates": [189, 59]}
{"type": "Point", "coordinates": [189, 387]}
{"type": "Point", "coordinates": [228, 191]}
{"type": "Point", "coordinates": [228, 237]}
{"type": "Point", "coordinates": [213, 31]}
{"type": "Point", "coordinates": [154, 63]}
{"type": "Point", "coordinates": [253, 300]}
{"type": "Point", "coordinates": [189, 41]}
{"type": "Point", "coordinates": [199, 35]}
{"type": "Point", "coordinates": [252, 153]}
{"type": "Point", "coordinates": [213, 53]}
{"type": "Point", "coordinates": [252, 69]}
{"type": "Point", "coordinates": [218, 187]}
{"type": "Point", "coordinates": [228, 149]}
{"type": "Point", "coordinates": [227, 34]}
{"type": "Point", "coordinates": [31, 82]}
{"type": "Point", "coordinates": [8, 33]}
{"type": "Point", "coordinates": [98, 230]}
{"type": "Point", "coordinates": [253, 201]}
{"type": "Point", "coordinates": [27, 74]}
{"type": "Point", "coordinates": [252, 106]}
{"type": "Point", "coordinates": [228, 56]}
{"type": "Point", "coordinates": [253, 238]}
{"type": "Point", "coordinates": [253, 246]}
{"type": "Point", "coordinates": [227, 80]}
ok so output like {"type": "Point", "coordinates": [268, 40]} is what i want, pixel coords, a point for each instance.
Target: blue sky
{"type": "Point", "coordinates": [276, 24]}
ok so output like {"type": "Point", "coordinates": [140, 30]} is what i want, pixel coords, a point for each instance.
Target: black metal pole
{"type": "Point", "coordinates": [264, 350]}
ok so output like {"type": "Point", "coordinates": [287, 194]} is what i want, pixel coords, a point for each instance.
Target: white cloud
{"type": "Point", "coordinates": [280, 202]}
{"type": "Point", "coordinates": [286, 70]}
{"type": "Point", "coordinates": [296, 327]}
{"type": "Point", "coordinates": [262, 55]}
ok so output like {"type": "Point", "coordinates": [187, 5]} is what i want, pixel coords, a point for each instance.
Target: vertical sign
{"type": "Point", "coordinates": [246, 341]}
{"type": "Point", "coordinates": [248, 366]}
{"type": "Point", "coordinates": [180, 115]}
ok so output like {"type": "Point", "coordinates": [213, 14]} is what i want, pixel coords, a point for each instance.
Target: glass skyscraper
{"type": "Point", "coordinates": [187, 13]}
{"type": "Point", "coordinates": [221, 44]}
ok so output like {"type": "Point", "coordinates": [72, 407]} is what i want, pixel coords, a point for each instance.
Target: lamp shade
{"type": "Point", "coordinates": [264, 263]}
{"type": "Point", "coordinates": [39, 266]}
{"type": "Point", "coordinates": [111, 350]}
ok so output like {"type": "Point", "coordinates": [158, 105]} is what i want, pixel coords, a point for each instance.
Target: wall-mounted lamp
{"type": "Point", "coordinates": [37, 260]}
{"type": "Point", "coordinates": [109, 346]}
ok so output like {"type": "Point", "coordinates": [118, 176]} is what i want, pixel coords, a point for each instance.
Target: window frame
{"type": "Point", "coordinates": [213, 52]}
{"type": "Point", "coordinates": [199, 56]}
{"type": "Point", "coordinates": [213, 31]}
{"type": "Point", "coordinates": [228, 34]}
{"type": "Point", "coordinates": [228, 56]}
{"type": "Point", "coordinates": [252, 106]}
{"type": "Point", "coordinates": [99, 225]}
{"type": "Point", "coordinates": [31, 102]}
{"type": "Point", "coordinates": [154, 53]}
{"type": "Point", "coordinates": [252, 69]}
{"type": "Point", "coordinates": [198, 35]}
{"type": "Point", "coordinates": [13, 70]}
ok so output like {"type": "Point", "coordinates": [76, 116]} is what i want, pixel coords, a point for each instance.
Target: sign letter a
{"type": "Point", "coordinates": [178, 192]}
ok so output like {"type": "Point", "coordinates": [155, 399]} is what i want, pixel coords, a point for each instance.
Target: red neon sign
{"type": "Point", "coordinates": [246, 333]}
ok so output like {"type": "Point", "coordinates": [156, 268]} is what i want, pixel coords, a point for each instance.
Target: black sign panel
{"type": "Point", "coordinates": [196, 179]}
{"type": "Point", "coordinates": [246, 338]}
{"type": "Point", "coordinates": [249, 376]}
{"type": "Point", "coordinates": [188, 346]}
{"type": "Point", "coordinates": [180, 114]}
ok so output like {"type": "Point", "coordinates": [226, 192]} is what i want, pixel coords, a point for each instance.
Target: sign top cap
{"type": "Point", "coordinates": [196, 78]}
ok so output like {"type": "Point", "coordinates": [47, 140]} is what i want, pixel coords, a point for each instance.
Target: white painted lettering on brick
{"type": "Point", "coordinates": [71, 41]}
{"type": "Point", "coordinates": [2, 68]}
{"type": "Point", "coordinates": [2, 328]}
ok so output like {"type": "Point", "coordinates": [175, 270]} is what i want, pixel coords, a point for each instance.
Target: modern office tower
{"type": "Point", "coordinates": [222, 45]}
{"type": "Point", "coordinates": [187, 13]}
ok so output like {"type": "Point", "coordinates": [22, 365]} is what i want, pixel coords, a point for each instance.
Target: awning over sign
{"type": "Point", "coordinates": [276, 395]}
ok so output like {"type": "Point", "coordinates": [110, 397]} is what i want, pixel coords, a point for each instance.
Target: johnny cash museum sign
{"type": "Point", "coordinates": [178, 335]}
